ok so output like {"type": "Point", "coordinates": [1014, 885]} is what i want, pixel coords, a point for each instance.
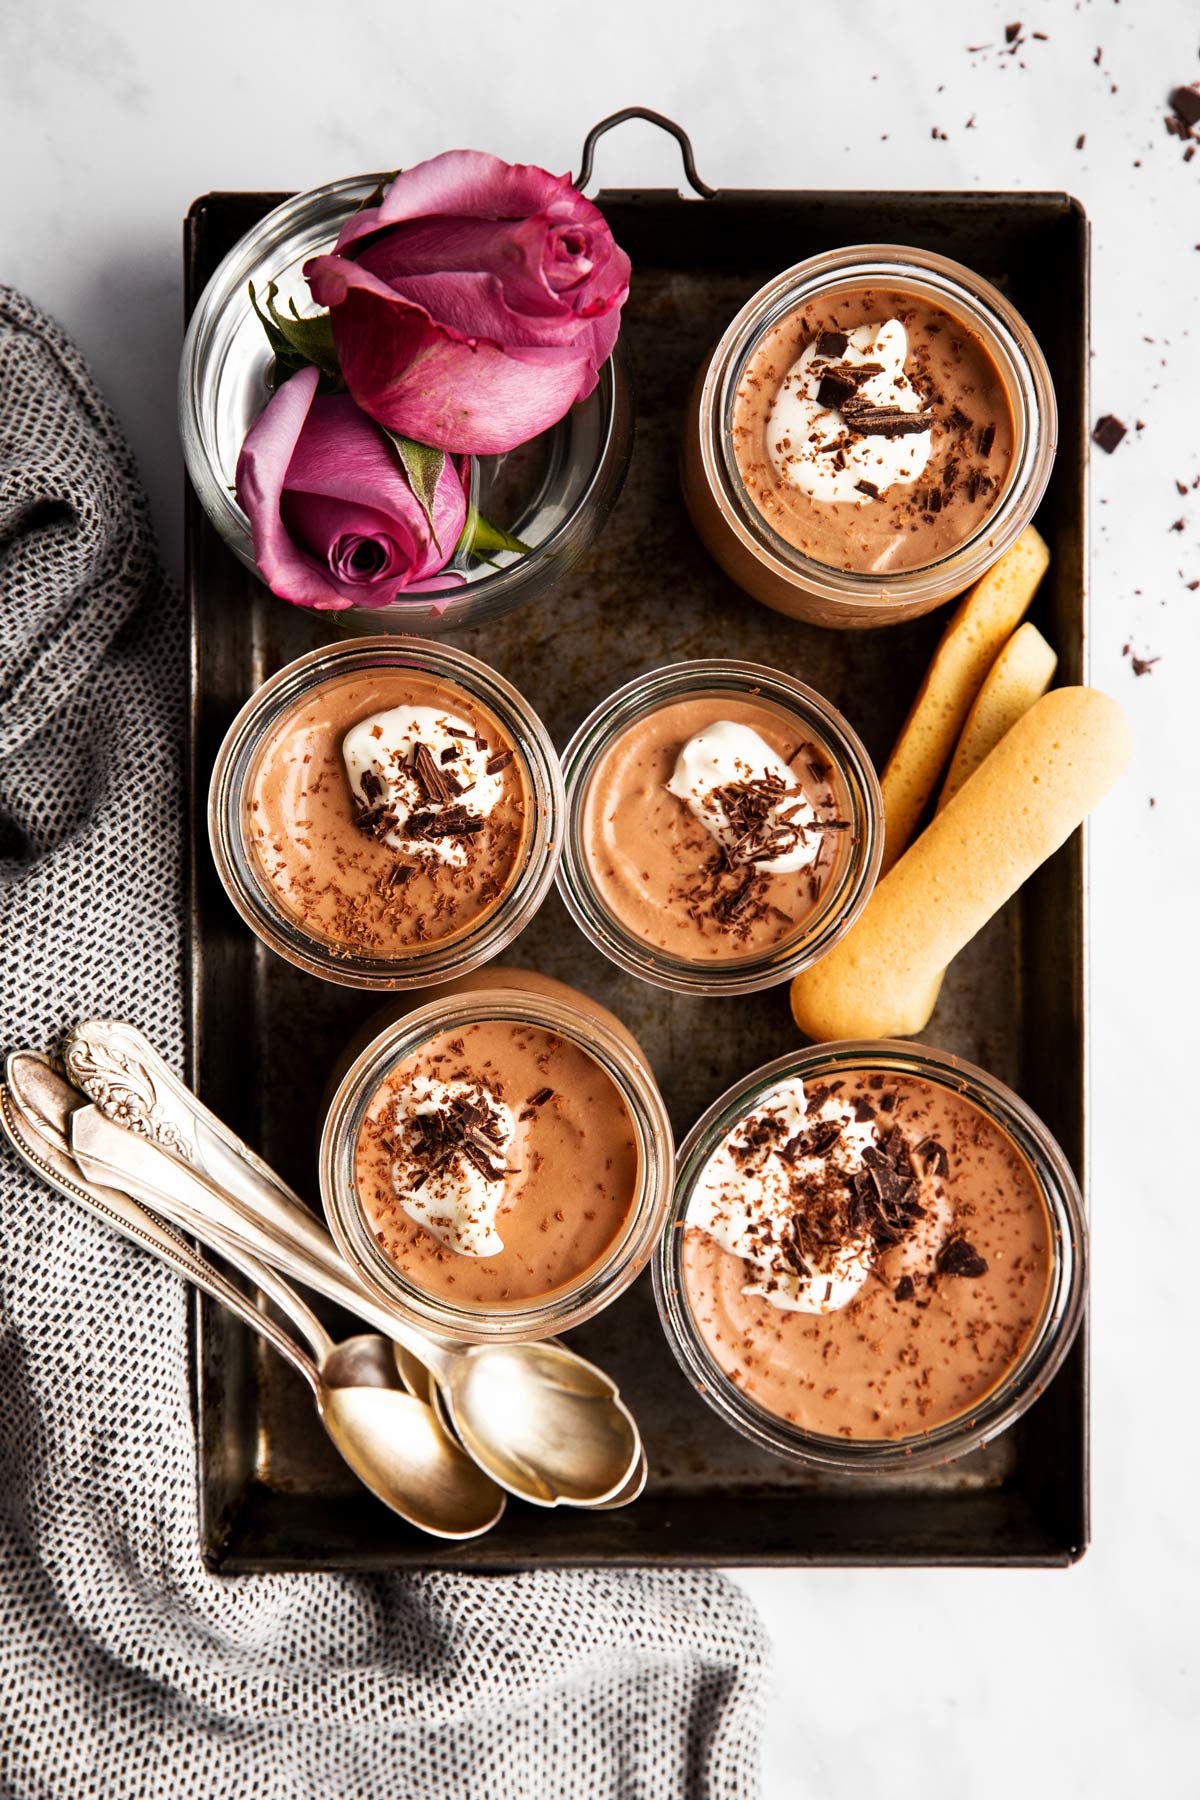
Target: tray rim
{"type": "Point", "coordinates": [221, 1557]}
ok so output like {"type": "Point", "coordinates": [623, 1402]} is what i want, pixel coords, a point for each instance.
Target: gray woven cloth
{"type": "Point", "coordinates": [125, 1668]}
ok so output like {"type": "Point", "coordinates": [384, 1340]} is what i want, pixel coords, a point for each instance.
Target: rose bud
{"type": "Point", "coordinates": [334, 518]}
{"type": "Point", "coordinates": [475, 304]}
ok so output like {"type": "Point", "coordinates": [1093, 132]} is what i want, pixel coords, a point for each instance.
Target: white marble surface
{"type": "Point", "coordinates": [114, 116]}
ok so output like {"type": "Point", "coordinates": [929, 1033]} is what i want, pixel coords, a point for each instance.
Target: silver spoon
{"type": "Point", "coordinates": [544, 1423]}
{"type": "Point", "coordinates": [392, 1442]}
{"type": "Point", "coordinates": [635, 1481]}
{"type": "Point", "coordinates": [46, 1102]}
{"type": "Point", "coordinates": [569, 1429]}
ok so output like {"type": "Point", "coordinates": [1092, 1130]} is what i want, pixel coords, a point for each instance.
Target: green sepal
{"type": "Point", "coordinates": [423, 467]}
{"type": "Point", "coordinates": [296, 343]}
{"type": "Point", "coordinates": [481, 538]}
{"type": "Point", "coordinates": [375, 197]}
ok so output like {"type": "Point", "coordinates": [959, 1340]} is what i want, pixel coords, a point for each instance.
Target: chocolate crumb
{"type": "Point", "coordinates": [1186, 102]}
{"type": "Point", "coordinates": [905, 1288]}
{"type": "Point", "coordinates": [958, 1257]}
{"type": "Point", "coordinates": [1108, 432]}
{"type": "Point", "coordinates": [1012, 32]}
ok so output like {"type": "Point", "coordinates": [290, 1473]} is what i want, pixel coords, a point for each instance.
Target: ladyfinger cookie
{"type": "Point", "coordinates": [1039, 783]}
{"type": "Point", "coordinates": [982, 622]}
{"type": "Point", "coordinates": [1019, 676]}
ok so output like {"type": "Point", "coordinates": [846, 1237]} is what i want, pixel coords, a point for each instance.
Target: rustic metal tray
{"type": "Point", "coordinates": [273, 1494]}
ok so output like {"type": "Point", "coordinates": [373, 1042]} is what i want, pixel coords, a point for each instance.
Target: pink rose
{"type": "Point", "coordinates": [474, 306]}
{"type": "Point", "coordinates": [335, 521]}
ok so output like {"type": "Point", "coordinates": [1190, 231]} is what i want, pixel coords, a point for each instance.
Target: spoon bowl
{"type": "Point", "coordinates": [542, 1422]}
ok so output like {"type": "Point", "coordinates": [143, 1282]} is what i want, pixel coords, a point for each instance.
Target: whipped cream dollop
{"type": "Point", "coordinates": [779, 1192]}
{"type": "Point", "coordinates": [453, 1140]}
{"type": "Point", "coordinates": [816, 448]}
{"type": "Point", "coordinates": [747, 798]}
{"type": "Point", "coordinates": [424, 779]}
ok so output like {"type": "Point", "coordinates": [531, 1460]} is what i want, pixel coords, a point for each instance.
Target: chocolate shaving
{"type": "Point", "coordinates": [377, 823]}
{"type": "Point", "coordinates": [868, 488]}
{"type": "Point", "coordinates": [500, 761]}
{"type": "Point", "coordinates": [818, 1140]}
{"type": "Point", "coordinates": [458, 1129]}
{"type": "Point", "coordinates": [842, 382]}
{"type": "Point", "coordinates": [436, 786]}
{"type": "Point", "coordinates": [541, 1097]}
{"type": "Point", "coordinates": [451, 753]}
{"type": "Point", "coordinates": [831, 343]}
{"type": "Point", "coordinates": [987, 438]}
{"type": "Point", "coordinates": [371, 786]}
{"type": "Point", "coordinates": [934, 1156]}
{"type": "Point", "coordinates": [884, 421]}
{"type": "Point", "coordinates": [905, 1288]}
{"type": "Point", "coordinates": [453, 821]}
{"type": "Point", "coordinates": [958, 1257]}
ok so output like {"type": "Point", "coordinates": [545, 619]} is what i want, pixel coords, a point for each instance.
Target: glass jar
{"type": "Point", "coordinates": [858, 857]}
{"type": "Point", "coordinates": [752, 553]}
{"type": "Point", "coordinates": [554, 493]}
{"type": "Point", "coordinates": [259, 903]}
{"type": "Point", "coordinates": [521, 998]}
{"type": "Point", "coordinates": [1047, 1344]}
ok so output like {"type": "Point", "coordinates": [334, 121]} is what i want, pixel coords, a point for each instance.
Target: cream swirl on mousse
{"type": "Point", "coordinates": [423, 781]}
{"type": "Point", "coordinates": [847, 424]}
{"type": "Point", "coordinates": [809, 1190]}
{"type": "Point", "coordinates": [747, 798]}
{"type": "Point", "coordinates": [452, 1143]}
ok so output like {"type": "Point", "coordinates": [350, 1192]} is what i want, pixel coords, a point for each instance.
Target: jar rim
{"type": "Point", "coordinates": [838, 909]}
{"type": "Point", "coordinates": [438, 959]}
{"type": "Point", "coordinates": [1048, 1343]}
{"type": "Point", "coordinates": [598, 1285]}
{"type": "Point", "coordinates": [1020, 363]}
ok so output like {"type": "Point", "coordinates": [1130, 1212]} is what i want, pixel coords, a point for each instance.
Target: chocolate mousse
{"type": "Point", "coordinates": [387, 810]}
{"type": "Point", "coordinates": [866, 1258]}
{"type": "Point", "coordinates": [497, 1164]}
{"type": "Point", "coordinates": [872, 430]}
{"type": "Point", "coordinates": [714, 827]}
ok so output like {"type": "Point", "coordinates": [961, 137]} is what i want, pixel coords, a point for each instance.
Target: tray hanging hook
{"type": "Point", "coordinates": [654, 118]}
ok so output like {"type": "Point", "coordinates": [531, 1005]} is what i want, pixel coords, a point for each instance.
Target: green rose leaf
{"type": "Point", "coordinates": [423, 466]}
{"type": "Point", "coordinates": [296, 342]}
{"type": "Point", "coordinates": [482, 539]}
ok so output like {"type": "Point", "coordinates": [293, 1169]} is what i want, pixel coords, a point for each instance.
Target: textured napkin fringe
{"type": "Point", "coordinates": [126, 1668]}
